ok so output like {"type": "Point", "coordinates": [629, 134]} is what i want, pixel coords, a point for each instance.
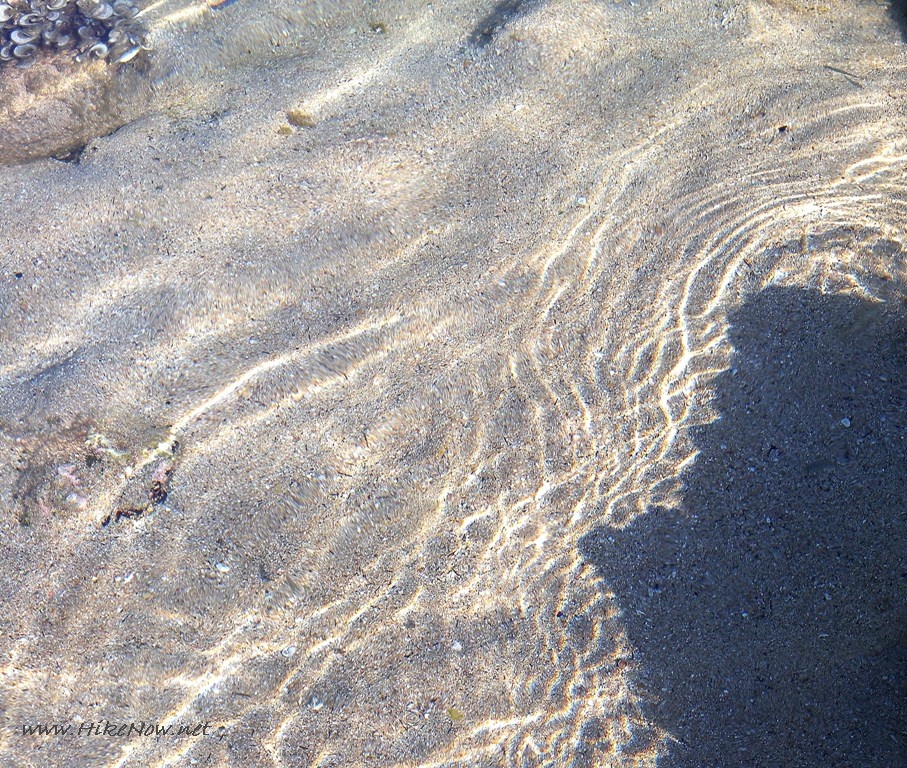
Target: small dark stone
{"type": "Point", "coordinates": [158, 493]}
{"type": "Point", "coordinates": [73, 155]}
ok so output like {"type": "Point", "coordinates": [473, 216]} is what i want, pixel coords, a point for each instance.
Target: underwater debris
{"type": "Point", "coordinates": [299, 118]}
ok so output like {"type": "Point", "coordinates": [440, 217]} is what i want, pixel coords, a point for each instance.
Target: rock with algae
{"type": "Point", "coordinates": [56, 106]}
{"type": "Point", "coordinates": [85, 29]}
{"type": "Point", "coordinates": [70, 70]}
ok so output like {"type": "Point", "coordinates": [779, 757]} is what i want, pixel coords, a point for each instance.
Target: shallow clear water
{"type": "Point", "coordinates": [457, 385]}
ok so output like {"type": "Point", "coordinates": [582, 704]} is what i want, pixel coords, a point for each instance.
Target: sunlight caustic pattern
{"type": "Point", "coordinates": [357, 399]}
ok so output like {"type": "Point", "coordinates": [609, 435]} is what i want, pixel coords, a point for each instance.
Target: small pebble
{"type": "Point", "coordinates": [222, 567]}
{"type": "Point", "coordinates": [845, 422]}
{"type": "Point", "coordinates": [300, 118]}
{"type": "Point", "coordinates": [457, 646]}
{"type": "Point", "coordinates": [289, 651]}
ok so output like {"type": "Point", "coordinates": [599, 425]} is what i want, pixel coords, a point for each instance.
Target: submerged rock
{"type": "Point", "coordinates": [85, 29]}
{"type": "Point", "coordinates": [66, 70]}
{"type": "Point", "coordinates": [57, 105]}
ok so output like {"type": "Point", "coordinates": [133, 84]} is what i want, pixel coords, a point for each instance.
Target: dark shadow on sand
{"type": "Point", "coordinates": [493, 23]}
{"type": "Point", "coordinates": [898, 10]}
{"type": "Point", "coordinates": [767, 615]}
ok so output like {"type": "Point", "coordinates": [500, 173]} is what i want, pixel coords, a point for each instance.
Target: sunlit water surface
{"type": "Point", "coordinates": [340, 325]}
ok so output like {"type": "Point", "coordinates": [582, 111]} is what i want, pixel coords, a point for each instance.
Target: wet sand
{"type": "Point", "coordinates": [462, 385]}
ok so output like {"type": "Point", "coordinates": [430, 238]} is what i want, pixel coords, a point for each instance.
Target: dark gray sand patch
{"type": "Point", "coordinates": [494, 22]}
{"type": "Point", "coordinates": [768, 612]}
{"type": "Point", "coordinates": [899, 15]}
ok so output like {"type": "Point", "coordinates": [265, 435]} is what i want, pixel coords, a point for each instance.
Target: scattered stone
{"type": "Point", "coordinates": [300, 118]}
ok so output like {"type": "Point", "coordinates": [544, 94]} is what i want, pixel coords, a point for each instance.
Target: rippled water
{"type": "Point", "coordinates": [459, 384]}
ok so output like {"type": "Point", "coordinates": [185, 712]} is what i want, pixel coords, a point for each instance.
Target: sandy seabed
{"type": "Point", "coordinates": [458, 384]}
